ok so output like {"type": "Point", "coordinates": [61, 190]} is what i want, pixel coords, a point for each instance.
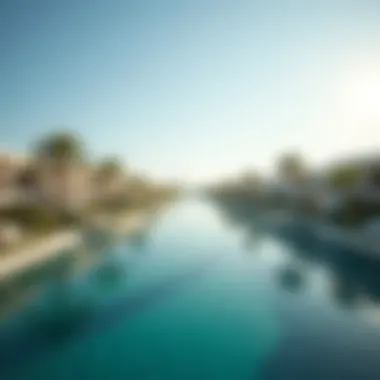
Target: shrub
{"type": "Point", "coordinates": [38, 218]}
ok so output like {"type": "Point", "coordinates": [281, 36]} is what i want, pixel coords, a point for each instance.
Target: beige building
{"type": "Point", "coordinates": [66, 186]}
{"type": "Point", "coordinates": [10, 167]}
{"type": "Point", "coordinates": [107, 188]}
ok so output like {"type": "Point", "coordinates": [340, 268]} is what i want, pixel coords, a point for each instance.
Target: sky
{"type": "Point", "coordinates": [193, 89]}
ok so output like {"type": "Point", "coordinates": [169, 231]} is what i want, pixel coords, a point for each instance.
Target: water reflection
{"type": "Point", "coordinates": [64, 315]}
{"type": "Point", "coordinates": [17, 288]}
{"type": "Point", "coordinates": [352, 277]}
{"type": "Point", "coordinates": [69, 310]}
{"type": "Point", "coordinates": [345, 293]}
{"type": "Point", "coordinates": [139, 240]}
{"type": "Point", "coordinates": [62, 310]}
{"type": "Point", "coordinates": [252, 240]}
{"type": "Point", "coordinates": [16, 291]}
{"type": "Point", "coordinates": [291, 278]}
{"type": "Point", "coordinates": [110, 273]}
{"type": "Point", "coordinates": [302, 337]}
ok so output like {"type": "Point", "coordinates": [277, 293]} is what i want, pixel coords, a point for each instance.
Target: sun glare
{"type": "Point", "coordinates": [361, 96]}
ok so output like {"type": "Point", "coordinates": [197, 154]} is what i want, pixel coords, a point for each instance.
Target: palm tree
{"type": "Point", "coordinates": [60, 148]}
{"type": "Point", "coordinates": [56, 155]}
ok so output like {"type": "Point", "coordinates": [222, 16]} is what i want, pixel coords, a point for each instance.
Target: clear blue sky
{"type": "Point", "coordinates": [192, 88]}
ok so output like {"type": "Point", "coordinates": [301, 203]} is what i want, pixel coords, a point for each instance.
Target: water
{"type": "Point", "coordinates": [206, 294]}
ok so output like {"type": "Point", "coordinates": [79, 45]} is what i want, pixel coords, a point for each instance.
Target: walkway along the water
{"type": "Point", "coordinates": [50, 247]}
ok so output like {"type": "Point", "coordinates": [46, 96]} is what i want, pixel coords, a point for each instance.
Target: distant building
{"type": "Point", "coordinates": [67, 187]}
{"type": "Point", "coordinates": [107, 188]}
{"type": "Point", "coordinates": [10, 167]}
{"type": "Point", "coordinates": [317, 194]}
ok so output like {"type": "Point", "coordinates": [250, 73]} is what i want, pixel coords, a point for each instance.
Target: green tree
{"type": "Point", "coordinates": [60, 148]}
{"type": "Point", "coordinates": [374, 174]}
{"type": "Point", "coordinates": [291, 167]}
{"type": "Point", "coordinates": [342, 177]}
{"type": "Point", "coordinates": [108, 170]}
{"type": "Point", "coordinates": [356, 211]}
{"type": "Point", "coordinates": [55, 156]}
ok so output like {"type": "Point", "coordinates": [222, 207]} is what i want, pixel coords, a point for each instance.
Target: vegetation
{"type": "Point", "coordinates": [60, 147]}
{"type": "Point", "coordinates": [291, 167]}
{"type": "Point", "coordinates": [343, 177]}
{"type": "Point", "coordinates": [110, 190]}
{"type": "Point", "coordinates": [375, 175]}
{"type": "Point", "coordinates": [356, 212]}
{"type": "Point", "coordinates": [36, 218]}
{"type": "Point", "coordinates": [345, 195]}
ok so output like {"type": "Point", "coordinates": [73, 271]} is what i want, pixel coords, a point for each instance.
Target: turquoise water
{"type": "Point", "coordinates": [200, 296]}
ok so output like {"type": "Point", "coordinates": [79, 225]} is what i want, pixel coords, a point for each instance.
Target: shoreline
{"type": "Point", "coordinates": [283, 221]}
{"type": "Point", "coordinates": [46, 248]}
{"type": "Point", "coordinates": [345, 238]}
{"type": "Point", "coordinates": [59, 243]}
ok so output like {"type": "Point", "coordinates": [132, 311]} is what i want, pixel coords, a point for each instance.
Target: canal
{"type": "Point", "coordinates": [205, 293]}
